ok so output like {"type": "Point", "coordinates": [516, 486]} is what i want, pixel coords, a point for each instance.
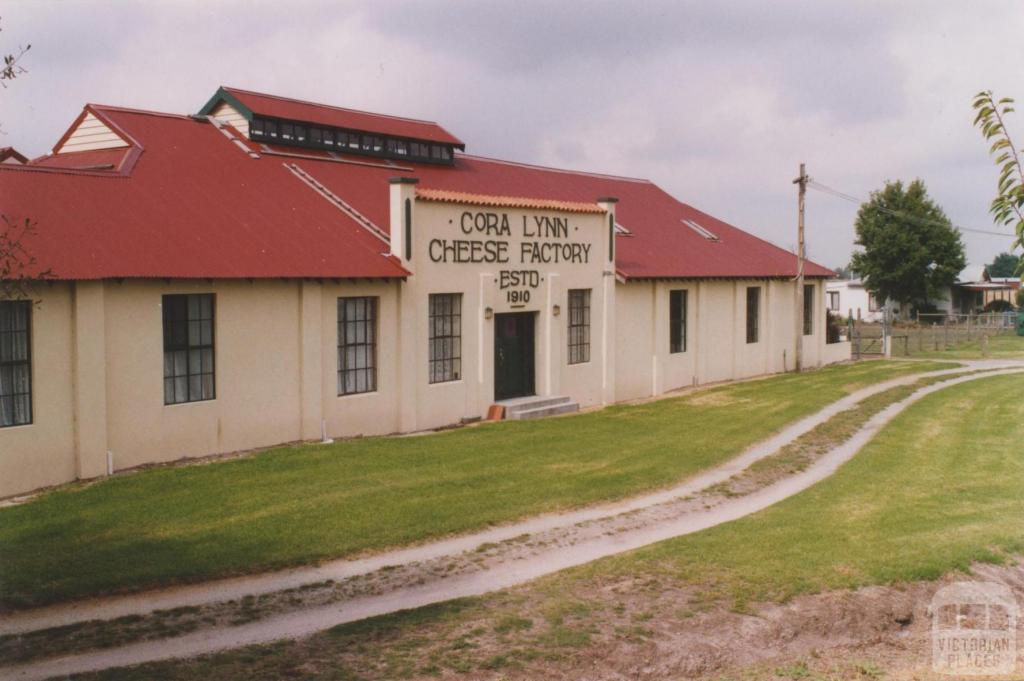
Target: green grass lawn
{"type": "Point", "coordinates": [999, 347]}
{"type": "Point", "coordinates": [296, 505]}
{"type": "Point", "coordinates": [940, 487]}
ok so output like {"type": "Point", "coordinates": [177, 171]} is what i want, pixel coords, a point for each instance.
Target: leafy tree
{"type": "Point", "coordinates": [912, 253]}
{"type": "Point", "coordinates": [1008, 206]}
{"type": "Point", "coordinates": [1004, 265]}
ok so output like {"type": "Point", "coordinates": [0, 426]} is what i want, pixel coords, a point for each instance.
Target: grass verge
{"type": "Point", "coordinates": [298, 505]}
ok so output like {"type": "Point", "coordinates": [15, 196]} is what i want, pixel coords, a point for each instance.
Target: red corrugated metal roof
{"type": "Point", "coordinates": [363, 121]}
{"type": "Point", "coordinates": [188, 202]}
{"type": "Point", "coordinates": [660, 245]}
{"type": "Point", "coordinates": [84, 159]}
{"type": "Point", "coordinates": [193, 206]}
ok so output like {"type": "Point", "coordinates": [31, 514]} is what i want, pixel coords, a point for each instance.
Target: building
{"type": "Point", "coordinates": [270, 270]}
{"type": "Point", "coordinates": [849, 298]}
{"type": "Point", "coordinates": [976, 291]}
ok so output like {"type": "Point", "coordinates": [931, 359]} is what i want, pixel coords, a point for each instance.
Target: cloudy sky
{"type": "Point", "coordinates": [718, 102]}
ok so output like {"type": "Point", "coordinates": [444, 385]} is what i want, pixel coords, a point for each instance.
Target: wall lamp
{"type": "Point", "coordinates": [556, 310]}
{"type": "Point", "coordinates": [488, 312]}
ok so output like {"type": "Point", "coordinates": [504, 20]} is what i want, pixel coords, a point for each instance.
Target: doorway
{"type": "Point", "coordinates": [513, 355]}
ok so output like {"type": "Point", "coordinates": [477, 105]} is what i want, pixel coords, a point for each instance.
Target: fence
{"type": "Point", "coordinates": [987, 320]}
{"type": "Point", "coordinates": [933, 333]}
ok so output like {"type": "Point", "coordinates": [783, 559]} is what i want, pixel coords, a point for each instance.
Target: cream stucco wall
{"type": "Point", "coordinates": [97, 352]}
{"type": "Point", "coordinates": [43, 453]}
{"type": "Point", "coordinates": [716, 348]}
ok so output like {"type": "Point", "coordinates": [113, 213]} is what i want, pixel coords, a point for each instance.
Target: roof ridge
{"type": "Point", "coordinates": [146, 112]}
{"type": "Point", "coordinates": [331, 106]}
{"type": "Point", "coordinates": [522, 164]}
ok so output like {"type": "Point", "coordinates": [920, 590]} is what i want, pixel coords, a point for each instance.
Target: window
{"type": "Point", "coordinates": [753, 312]}
{"type": "Point", "coordinates": [445, 337]}
{"type": "Point", "coordinates": [872, 303]}
{"type": "Point", "coordinates": [188, 348]}
{"type": "Point", "coordinates": [808, 309]}
{"type": "Point", "coordinates": [419, 150]}
{"type": "Point", "coordinates": [833, 301]}
{"type": "Point", "coordinates": [321, 137]}
{"type": "Point", "coordinates": [357, 345]}
{"type": "Point", "coordinates": [677, 320]}
{"type": "Point", "coordinates": [579, 325]}
{"type": "Point", "coordinates": [15, 363]}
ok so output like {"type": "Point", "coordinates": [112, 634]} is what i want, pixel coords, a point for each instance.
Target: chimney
{"type": "Point", "coordinates": [403, 200]}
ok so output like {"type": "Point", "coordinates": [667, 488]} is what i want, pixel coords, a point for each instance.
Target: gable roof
{"type": "Point", "coordinates": [256, 103]}
{"type": "Point", "coordinates": [184, 201]}
{"type": "Point", "coordinates": [191, 206]}
{"type": "Point", "coordinates": [12, 155]}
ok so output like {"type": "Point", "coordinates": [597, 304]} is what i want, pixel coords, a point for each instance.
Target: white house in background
{"type": "Point", "coordinates": [848, 297]}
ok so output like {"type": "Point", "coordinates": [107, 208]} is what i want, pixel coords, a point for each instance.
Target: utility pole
{"type": "Point", "coordinates": [798, 313]}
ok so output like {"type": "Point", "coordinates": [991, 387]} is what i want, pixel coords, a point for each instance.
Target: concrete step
{"type": "Point", "coordinates": [547, 410]}
{"type": "Point", "coordinates": [521, 404]}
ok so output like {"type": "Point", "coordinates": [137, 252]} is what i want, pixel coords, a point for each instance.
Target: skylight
{"type": "Point", "coordinates": [619, 229]}
{"type": "Point", "coordinates": [704, 232]}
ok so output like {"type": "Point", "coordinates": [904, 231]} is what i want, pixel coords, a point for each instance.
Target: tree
{"type": "Point", "coordinates": [845, 272]}
{"type": "Point", "coordinates": [18, 269]}
{"type": "Point", "coordinates": [1004, 265]}
{"type": "Point", "coordinates": [912, 254]}
{"type": "Point", "coordinates": [1008, 206]}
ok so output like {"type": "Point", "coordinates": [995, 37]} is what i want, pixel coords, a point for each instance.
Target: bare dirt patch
{"type": "Point", "coordinates": [607, 629]}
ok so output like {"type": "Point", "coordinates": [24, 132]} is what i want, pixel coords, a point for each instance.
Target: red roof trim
{"type": "Point", "coordinates": [11, 152]}
{"type": "Point", "coordinates": [445, 196]}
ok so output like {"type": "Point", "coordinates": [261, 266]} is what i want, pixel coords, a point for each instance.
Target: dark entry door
{"type": "Point", "coordinates": [513, 355]}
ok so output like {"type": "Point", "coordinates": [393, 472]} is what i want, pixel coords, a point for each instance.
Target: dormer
{"type": "Point", "coordinates": [287, 122]}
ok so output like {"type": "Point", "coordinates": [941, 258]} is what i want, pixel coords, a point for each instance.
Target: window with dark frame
{"type": "Point", "coordinates": [579, 325]}
{"type": "Point", "coordinates": [833, 301]}
{"type": "Point", "coordinates": [188, 348]}
{"type": "Point", "coordinates": [753, 313]}
{"type": "Point", "coordinates": [677, 303]}
{"type": "Point", "coordinates": [808, 309]}
{"type": "Point", "coordinates": [357, 345]}
{"type": "Point", "coordinates": [320, 137]}
{"type": "Point", "coordinates": [445, 349]}
{"type": "Point", "coordinates": [15, 363]}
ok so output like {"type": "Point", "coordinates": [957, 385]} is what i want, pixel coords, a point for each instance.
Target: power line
{"type": "Point", "coordinates": [825, 189]}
